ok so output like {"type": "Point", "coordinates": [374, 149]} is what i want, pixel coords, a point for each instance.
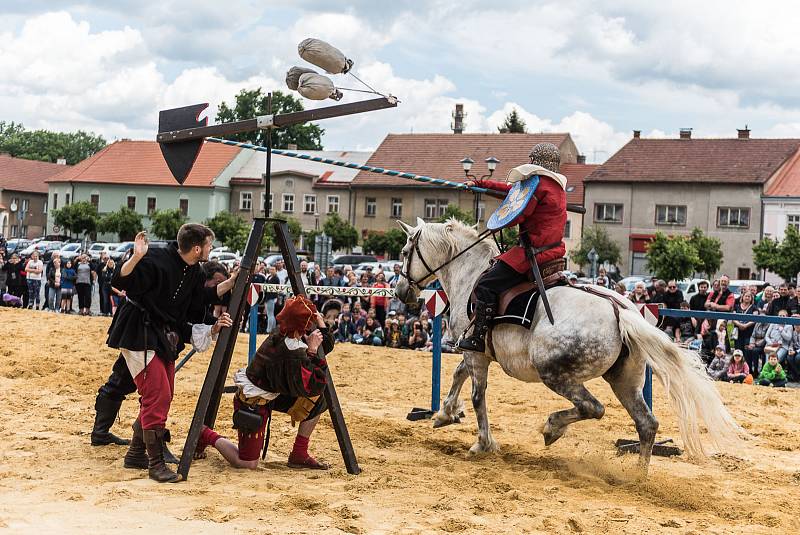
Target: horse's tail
{"type": "Point", "coordinates": [691, 391]}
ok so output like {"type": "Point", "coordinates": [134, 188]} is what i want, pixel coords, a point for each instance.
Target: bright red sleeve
{"type": "Point", "coordinates": [494, 185]}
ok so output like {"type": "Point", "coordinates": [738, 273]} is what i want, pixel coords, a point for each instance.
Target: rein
{"type": "Point", "coordinates": [415, 242]}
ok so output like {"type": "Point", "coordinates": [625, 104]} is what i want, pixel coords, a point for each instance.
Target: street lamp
{"type": "Point", "coordinates": [466, 164]}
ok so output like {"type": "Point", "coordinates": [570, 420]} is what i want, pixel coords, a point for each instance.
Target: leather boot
{"type": "Point", "coordinates": [158, 471]}
{"type": "Point", "coordinates": [136, 457]}
{"type": "Point", "coordinates": [106, 410]}
{"type": "Point", "coordinates": [169, 458]}
{"type": "Point", "coordinates": [484, 312]}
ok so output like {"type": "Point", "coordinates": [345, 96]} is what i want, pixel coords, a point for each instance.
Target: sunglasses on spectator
{"type": "Point", "coordinates": [672, 287]}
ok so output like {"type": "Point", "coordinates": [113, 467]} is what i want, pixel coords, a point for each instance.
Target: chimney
{"type": "Point", "coordinates": [61, 161]}
{"type": "Point", "coordinates": [744, 133]}
{"type": "Point", "coordinates": [458, 119]}
{"type": "Point", "coordinates": [686, 133]}
{"type": "Point", "coordinates": [581, 159]}
{"type": "Point", "coordinates": [637, 134]}
{"type": "Point", "coordinates": [291, 146]}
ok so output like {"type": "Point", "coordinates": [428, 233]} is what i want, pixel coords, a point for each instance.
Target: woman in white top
{"type": "Point", "coordinates": [33, 272]}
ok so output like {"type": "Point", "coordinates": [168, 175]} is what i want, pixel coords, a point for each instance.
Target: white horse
{"type": "Point", "coordinates": [587, 341]}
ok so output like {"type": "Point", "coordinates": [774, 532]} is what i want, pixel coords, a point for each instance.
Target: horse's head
{"type": "Point", "coordinates": [429, 246]}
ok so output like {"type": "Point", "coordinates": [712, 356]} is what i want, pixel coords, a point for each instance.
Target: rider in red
{"type": "Point", "coordinates": [543, 220]}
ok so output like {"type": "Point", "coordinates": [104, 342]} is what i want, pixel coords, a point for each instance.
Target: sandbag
{"type": "Point", "coordinates": [324, 56]}
{"type": "Point", "coordinates": [293, 76]}
{"type": "Point", "coordinates": [317, 87]}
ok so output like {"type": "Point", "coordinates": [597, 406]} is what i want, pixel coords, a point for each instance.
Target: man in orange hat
{"type": "Point", "coordinates": [287, 375]}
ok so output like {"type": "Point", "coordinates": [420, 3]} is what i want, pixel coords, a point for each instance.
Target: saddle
{"type": "Point", "coordinates": [517, 305]}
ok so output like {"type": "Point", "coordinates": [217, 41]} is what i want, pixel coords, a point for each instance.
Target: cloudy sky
{"type": "Point", "coordinates": [596, 69]}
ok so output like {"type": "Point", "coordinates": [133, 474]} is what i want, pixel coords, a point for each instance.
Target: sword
{"type": "Point", "coordinates": [537, 275]}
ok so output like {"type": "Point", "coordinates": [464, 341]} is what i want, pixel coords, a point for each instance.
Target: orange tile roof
{"type": "Point", "coordinates": [722, 161]}
{"type": "Point", "coordinates": [31, 176]}
{"type": "Point", "coordinates": [786, 182]}
{"type": "Point", "coordinates": [141, 163]}
{"type": "Point", "coordinates": [576, 173]}
{"type": "Point", "coordinates": [439, 155]}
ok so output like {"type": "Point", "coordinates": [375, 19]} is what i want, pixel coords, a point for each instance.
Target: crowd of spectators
{"type": "Point", "coordinates": [57, 284]}
{"type": "Point", "coordinates": [735, 351]}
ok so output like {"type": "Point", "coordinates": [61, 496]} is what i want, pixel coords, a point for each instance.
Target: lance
{"type": "Point", "coordinates": [379, 170]}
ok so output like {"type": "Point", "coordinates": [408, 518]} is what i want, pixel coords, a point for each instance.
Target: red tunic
{"type": "Point", "coordinates": [543, 221]}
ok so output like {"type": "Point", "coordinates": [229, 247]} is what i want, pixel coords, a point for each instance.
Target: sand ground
{"type": "Point", "coordinates": [415, 479]}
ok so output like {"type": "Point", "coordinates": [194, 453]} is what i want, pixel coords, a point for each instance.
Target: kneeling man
{"type": "Point", "coordinates": [286, 375]}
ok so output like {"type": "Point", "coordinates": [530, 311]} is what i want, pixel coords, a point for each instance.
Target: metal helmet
{"type": "Point", "coordinates": [546, 155]}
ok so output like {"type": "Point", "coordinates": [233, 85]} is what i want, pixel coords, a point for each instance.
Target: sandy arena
{"type": "Point", "coordinates": [415, 479]}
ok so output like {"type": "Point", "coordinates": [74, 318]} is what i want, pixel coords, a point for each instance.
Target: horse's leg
{"type": "Point", "coordinates": [452, 406]}
{"type": "Point", "coordinates": [478, 366]}
{"type": "Point", "coordinates": [626, 380]}
{"type": "Point", "coordinates": [586, 406]}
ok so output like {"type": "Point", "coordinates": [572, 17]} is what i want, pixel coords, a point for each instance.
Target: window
{"type": "Point", "coordinates": [608, 213]}
{"type": "Point", "coordinates": [733, 217]}
{"type": "Point", "coordinates": [435, 208]}
{"type": "Point", "coordinates": [44, 208]}
{"type": "Point", "coordinates": [245, 200]}
{"type": "Point", "coordinates": [793, 221]}
{"type": "Point", "coordinates": [333, 204]}
{"type": "Point", "coordinates": [26, 204]}
{"type": "Point", "coordinates": [55, 201]}
{"type": "Point", "coordinates": [13, 231]}
{"type": "Point", "coordinates": [23, 231]}
{"type": "Point", "coordinates": [264, 196]}
{"type": "Point", "coordinates": [371, 207]}
{"type": "Point", "coordinates": [288, 202]}
{"type": "Point", "coordinates": [95, 200]}
{"type": "Point", "coordinates": [568, 229]}
{"type": "Point", "coordinates": [132, 202]}
{"type": "Point", "coordinates": [309, 204]}
{"type": "Point", "coordinates": [151, 205]}
{"type": "Point", "coordinates": [183, 204]}
{"type": "Point", "coordinates": [397, 207]}
{"type": "Point", "coordinates": [668, 214]}
{"type": "Point", "coordinates": [66, 201]}
{"type": "Point", "coordinates": [482, 211]}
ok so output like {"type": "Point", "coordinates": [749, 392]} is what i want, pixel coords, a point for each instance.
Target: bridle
{"type": "Point", "coordinates": [406, 268]}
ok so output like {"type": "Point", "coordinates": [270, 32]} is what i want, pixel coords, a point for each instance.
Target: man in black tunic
{"type": "Point", "coordinates": [166, 294]}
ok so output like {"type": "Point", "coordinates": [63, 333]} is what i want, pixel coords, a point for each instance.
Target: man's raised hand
{"type": "Point", "coordinates": [140, 244]}
{"type": "Point", "coordinates": [223, 321]}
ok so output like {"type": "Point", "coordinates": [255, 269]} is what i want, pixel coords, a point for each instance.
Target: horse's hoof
{"type": "Point", "coordinates": [442, 421]}
{"type": "Point", "coordinates": [479, 449]}
{"type": "Point", "coordinates": [551, 435]}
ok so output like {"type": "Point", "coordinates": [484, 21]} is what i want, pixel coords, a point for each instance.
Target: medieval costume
{"type": "Point", "coordinates": [287, 376]}
{"type": "Point", "coordinates": [165, 295]}
{"type": "Point", "coordinates": [543, 221]}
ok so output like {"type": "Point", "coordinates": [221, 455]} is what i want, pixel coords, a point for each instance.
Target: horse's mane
{"type": "Point", "coordinates": [455, 236]}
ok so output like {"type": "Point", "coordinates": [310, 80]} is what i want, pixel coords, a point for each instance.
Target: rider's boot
{"type": "Point", "coordinates": [484, 312]}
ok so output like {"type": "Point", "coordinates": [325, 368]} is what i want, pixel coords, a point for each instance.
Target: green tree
{"type": "Point", "coordinates": [452, 210]}
{"type": "Point", "coordinates": [310, 239]}
{"type": "Point", "coordinates": [48, 146]}
{"type": "Point", "coordinates": [253, 102]}
{"type": "Point", "coordinates": [596, 238]}
{"type": "Point", "coordinates": [765, 254]}
{"type": "Point", "coordinates": [124, 222]}
{"type": "Point", "coordinates": [295, 231]}
{"type": "Point", "coordinates": [344, 236]}
{"type": "Point", "coordinates": [375, 242]}
{"type": "Point", "coordinates": [514, 124]}
{"type": "Point", "coordinates": [226, 225]}
{"type": "Point", "coordinates": [238, 240]}
{"type": "Point", "coordinates": [709, 252]}
{"type": "Point", "coordinates": [671, 258]}
{"type": "Point", "coordinates": [165, 224]}
{"type": "Point", "coordinates": [78, 218]}
{"type": "Point", "coordinates": [395, 241]}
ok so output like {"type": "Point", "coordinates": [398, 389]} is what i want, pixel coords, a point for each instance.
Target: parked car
{"type": "Point", "coordinates": [45, 249]}
{"type": "Point", "coordinates": [630, 282]}
{"type": "Point", "coordinates": [16, 245]}
{"type": "Point", "coordinates": [100, 247]}
{"type": "Point", "coordinates": [70, 250]}
{"type": "Point", "coordinates": [119, 252]}
{"type": "Point", "coordinates": [736, 285]}
{"type": "Point", "coordinates": [353, 259]}
{"type": "Point", "coordinates": [225, 258]}
{"type": "Point", "coordinates": [387, 266]}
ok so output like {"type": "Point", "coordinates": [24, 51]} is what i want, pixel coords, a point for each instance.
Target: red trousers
{"type": "Point", "coordinates": [156, 384]}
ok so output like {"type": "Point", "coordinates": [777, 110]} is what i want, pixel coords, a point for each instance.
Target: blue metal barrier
{"type": "Point", "coordinates": [757, 318]}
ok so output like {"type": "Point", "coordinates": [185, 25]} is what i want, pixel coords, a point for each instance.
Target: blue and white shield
{"type": "Point", "coordinates": [514, 203]}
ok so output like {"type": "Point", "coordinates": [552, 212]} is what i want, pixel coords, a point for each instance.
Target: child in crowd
{"type": "Point", "coordinates": [684, 331]}
{"type": "Point", "coordinates": [718, 367]}
{"type": "Point", "coordinates": [394, 338]}
{"type": "Point", "coordinates": [738, 369]}
{"type": "Point", "coordinates": [68, 276]}
{"type": "Point", "coordinates": [772, 374]}
{"type": "Point", "coordinates": [754, 351]}
{"type": "Point", "coordinates": [371, 333]}
{"type": "Point", "coordinates": [347, 329]}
